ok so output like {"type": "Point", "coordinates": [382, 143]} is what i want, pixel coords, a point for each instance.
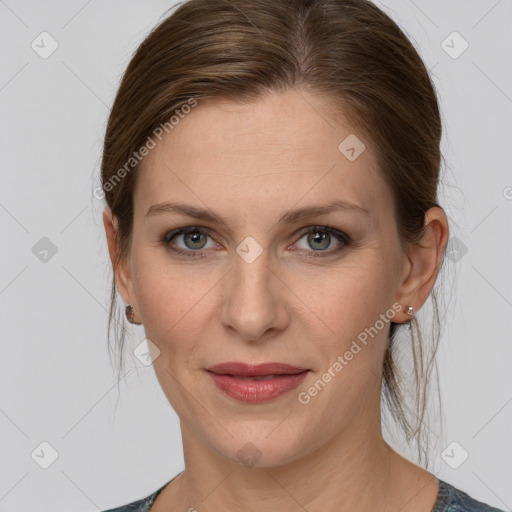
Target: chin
{"type": "Point", "coordinates": [261, 450]}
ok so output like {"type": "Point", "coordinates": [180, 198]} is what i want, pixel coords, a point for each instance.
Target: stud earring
{"type": "Point", "coordinates": [129, 314]}
{"type": "Point", "coordinates": [410, 310]}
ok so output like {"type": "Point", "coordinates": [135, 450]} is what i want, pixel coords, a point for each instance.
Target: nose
{"type": "Point", "coordinates": [254, 300]}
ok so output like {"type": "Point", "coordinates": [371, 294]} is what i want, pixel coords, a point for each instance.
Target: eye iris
{"type": "Point", "coordinates": [319, 237]}
{"type": "Point", "coordinates": [195, 235]}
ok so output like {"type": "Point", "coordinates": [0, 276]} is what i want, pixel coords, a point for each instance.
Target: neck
{"type": "Point", "coordinates": [355, 470]}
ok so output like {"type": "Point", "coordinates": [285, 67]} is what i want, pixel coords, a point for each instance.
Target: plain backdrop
{"type": "Point", "coordinates": [59, 403]}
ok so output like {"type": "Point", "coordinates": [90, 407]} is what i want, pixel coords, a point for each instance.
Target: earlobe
{"type": "Point", "coordinates": [424, 261]}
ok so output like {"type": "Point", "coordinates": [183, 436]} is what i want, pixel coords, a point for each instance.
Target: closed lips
{"type": "Point", "coordinates": [263, 371]}
{"type": "Point", "coordinates": [256, 383]}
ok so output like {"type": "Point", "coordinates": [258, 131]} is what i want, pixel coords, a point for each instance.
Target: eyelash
{"type": "Point", "coordinates": [343, 238]}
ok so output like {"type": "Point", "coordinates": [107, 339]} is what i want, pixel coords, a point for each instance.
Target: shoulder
{"type": "Point", "coordinates": [141, 505]}
{"type": "Point", "coordinates": [144, 504]}
{"type": "Point", "coordinates": [451, 499]}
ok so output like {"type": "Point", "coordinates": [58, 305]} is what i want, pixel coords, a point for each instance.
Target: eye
{"type": "Point", "coordinates": [194, 240]}
{"type": "Point", "coordinates": [320, 237]}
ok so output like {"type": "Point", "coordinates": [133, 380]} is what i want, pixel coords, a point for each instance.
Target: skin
{"type": "Point", "coordinates": [250, 163]}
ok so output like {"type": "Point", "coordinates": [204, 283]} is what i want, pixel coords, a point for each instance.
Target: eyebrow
{"type": "Point", "coordinates": [289, 217]}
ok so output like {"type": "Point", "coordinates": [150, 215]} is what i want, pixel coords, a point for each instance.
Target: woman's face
{"type": "Point", "coordinates": [258, 288]}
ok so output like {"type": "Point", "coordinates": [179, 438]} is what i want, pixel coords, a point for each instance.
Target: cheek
{"type": "Point", "coordinates": [345, 300]}
{"type": "Point", "coordinates": [171, 300]}
{"type": "Point", "coordinates": [349, 328]}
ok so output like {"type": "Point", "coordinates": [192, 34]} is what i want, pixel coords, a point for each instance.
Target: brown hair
{"type": "Point", "coordinates": [348, 51]}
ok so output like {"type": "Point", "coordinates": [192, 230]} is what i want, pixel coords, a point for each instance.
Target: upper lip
{"type": "Point", "coordinates": [249, 370]}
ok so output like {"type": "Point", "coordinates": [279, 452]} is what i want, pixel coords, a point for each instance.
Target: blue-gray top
{"type": "Point", "coordinates": [449, 499]}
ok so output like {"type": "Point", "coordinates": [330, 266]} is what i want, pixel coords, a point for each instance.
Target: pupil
{"type": "Point", "coordinates": [194, 238]}
{"type": "Point", "coordinates": [319, 237]}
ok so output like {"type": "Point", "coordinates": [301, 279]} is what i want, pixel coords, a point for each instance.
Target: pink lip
{"type": "Point", "coordinates": [226, 376]}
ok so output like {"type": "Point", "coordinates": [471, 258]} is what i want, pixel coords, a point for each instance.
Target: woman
{"type": "Point", "coordinates": [270, 170]}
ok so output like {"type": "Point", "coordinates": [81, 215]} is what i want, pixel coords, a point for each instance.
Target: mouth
{"type": "Point", "coordinates": [256, 383]}
{"type": "Point", "coordinates": [245, 370]}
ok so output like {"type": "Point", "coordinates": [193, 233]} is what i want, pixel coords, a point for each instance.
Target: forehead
{"type": "Point", "coordinates": [273, 152]}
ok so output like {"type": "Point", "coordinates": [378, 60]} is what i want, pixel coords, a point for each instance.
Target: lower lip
{"type": "Point", "coordinates": [256, 391]}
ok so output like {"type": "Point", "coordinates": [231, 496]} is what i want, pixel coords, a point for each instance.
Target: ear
{"type": "Point", "coordinates": [423, 262]}
{"type": "Point", "coordinates": [122, 273]}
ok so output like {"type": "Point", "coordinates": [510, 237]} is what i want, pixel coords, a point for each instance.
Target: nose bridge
{"type": "Point", "coordinates": [252, 304]}
{"type": "Point", "coordinates": [251, 271]}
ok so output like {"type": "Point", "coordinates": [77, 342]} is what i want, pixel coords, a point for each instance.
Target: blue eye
{"type": "Point", "coordinates": [194, 238]}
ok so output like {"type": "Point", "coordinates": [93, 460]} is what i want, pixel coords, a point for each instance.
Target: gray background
{"type": "Point", "coordinates": [56, 382]}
